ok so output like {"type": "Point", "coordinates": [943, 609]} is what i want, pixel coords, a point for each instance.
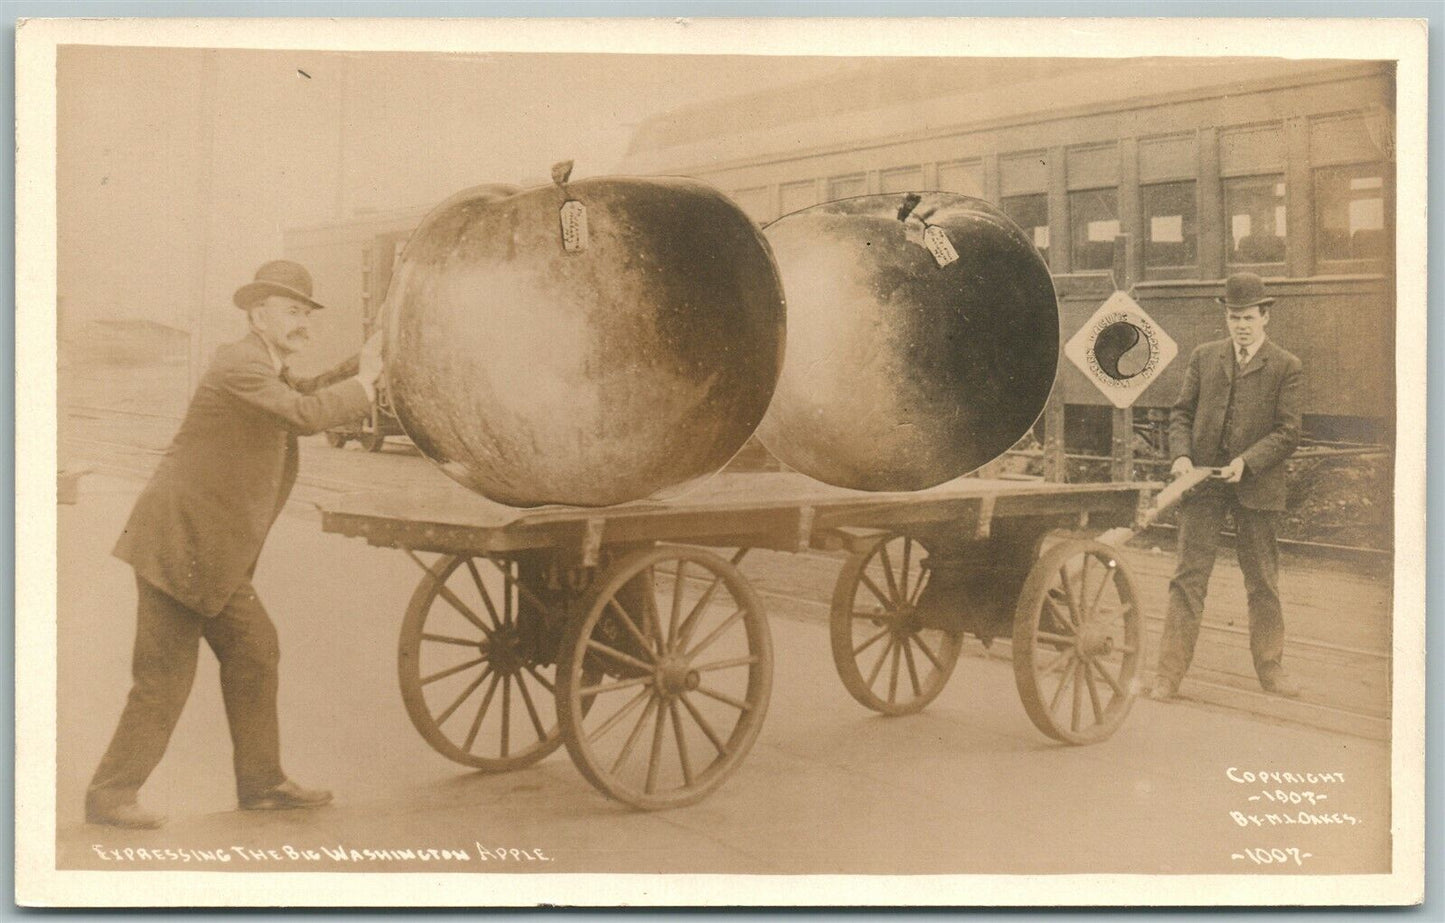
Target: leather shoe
{"type": "Point", "coordinates": [285, 796]}
{"type": "Point", "coordinates": [1279, 683]}
{"type": "Point", "coordinates": [128, 815]}
{"type": "Point", "coordinates": [1165, 690]}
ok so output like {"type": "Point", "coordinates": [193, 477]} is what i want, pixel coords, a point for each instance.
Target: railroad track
{"type": "Point", "coordinates": [84, 409]}
{"type": "Point", "coordinates": [337, 485]}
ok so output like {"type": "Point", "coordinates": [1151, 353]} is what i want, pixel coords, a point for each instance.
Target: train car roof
{"type": "Point", "coordinates": [896, 99]}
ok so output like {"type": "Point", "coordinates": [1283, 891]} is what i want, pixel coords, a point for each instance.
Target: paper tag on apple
{"type": "Point", "coordinates": [574, 226]}
{"type": "Point", "coordinates": [937, 242]}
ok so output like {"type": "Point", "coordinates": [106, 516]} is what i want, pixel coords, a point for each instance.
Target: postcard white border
{"type": "Point", "coordinates": [39, 883]}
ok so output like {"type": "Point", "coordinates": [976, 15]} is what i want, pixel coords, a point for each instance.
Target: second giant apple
{"type": "Point", "coordinates": [922, 342]}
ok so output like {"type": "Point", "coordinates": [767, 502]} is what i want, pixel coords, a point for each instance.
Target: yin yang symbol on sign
{"type": "Point", "coordinates": [1122, 350]}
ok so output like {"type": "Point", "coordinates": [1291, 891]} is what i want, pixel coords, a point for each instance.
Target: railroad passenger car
{"type": "Point", "coordinates": [1284, 168]}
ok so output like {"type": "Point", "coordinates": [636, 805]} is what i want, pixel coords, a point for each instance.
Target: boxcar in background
{"type": "Point", "coordinates": [351, 263]}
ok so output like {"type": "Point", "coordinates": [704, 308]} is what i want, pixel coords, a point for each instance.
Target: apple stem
{"type": "Point", "coordinates": [561, 172]}
{"type": "Point", "coordinates": [910, 202]}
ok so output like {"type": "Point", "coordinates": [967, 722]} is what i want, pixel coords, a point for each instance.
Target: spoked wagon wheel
{"type": "Point", "coordinates": [1078, 634]}
{"type": "Point", "coordinates": [687, 659]}
{"type": "Point", "coordinates": [887, 659]}
{"type": "Point", "coordinates": [469, 666]}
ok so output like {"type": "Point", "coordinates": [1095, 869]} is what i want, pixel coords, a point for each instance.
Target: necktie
{"type": "Point", "coordinates": [1239, 359]}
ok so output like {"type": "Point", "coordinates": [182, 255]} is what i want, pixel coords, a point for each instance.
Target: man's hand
{"type": "Point", "coordinates": [1182, 466]}
{"type": "Point", "coordinates": [370, 359]}
{"type": "Point", "coordinates": [1232, 472]}
{"type": "Point", "coordinates": [369, 365]}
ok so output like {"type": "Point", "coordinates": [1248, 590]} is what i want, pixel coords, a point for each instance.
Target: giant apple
{"type": "Point", "coordinates": [922, 342]}
{"type": "Point", "coordinates": [584, 343]}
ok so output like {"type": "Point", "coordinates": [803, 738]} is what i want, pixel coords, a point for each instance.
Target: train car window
{"type": "Point", "coordinates": [1171, 231]}
{"type": "Point", "coordinates": [1023, 173]}
{"type": "Point", "coordinates": [1030, 212]}
{"type": "Point", "coordinates": [962, 177]}
{"type": "Point", "coordinates": [1350, 212]}
{"type": "Point", "coordinates": [1254, 215]}
{"type": "Point", "coordinates": [903, 179]}
{"type": "Point", "coordinates": [845, 187]}
{"type": "Point", "coordinates": [1092, 166]}
{"type": "Point", "coordinates": [1252, 150]}
{"type": "Point", "coordinates": [1164, 159]}
{"type": "Point", "coordinates": [798, 196]}
{"type": "Point", "coordinates": [1093, 225]}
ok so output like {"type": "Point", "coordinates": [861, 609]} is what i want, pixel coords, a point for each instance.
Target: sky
{"type": "Point", "coordinates": [179, 169]}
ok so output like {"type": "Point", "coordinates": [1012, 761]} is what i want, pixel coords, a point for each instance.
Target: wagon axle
{"type": "Point", "coordinates": [503, 650]}
{"type": "Point", "coordinates": [1094, 643]}
{"type": "Point", "coordinates": [675, 676]}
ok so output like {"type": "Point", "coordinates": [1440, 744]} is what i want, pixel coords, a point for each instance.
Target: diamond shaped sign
{"type": "Point", "coordinates": [1121, 350]}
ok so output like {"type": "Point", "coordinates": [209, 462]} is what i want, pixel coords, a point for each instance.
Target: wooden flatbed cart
{"type": "Point", "coordinates": [620, 633]}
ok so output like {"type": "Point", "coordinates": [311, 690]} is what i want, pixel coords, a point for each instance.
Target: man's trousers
{"type": "Point", "coordinates": [163, 666]}
{"type": "Point", "coordinates": [1201, 517]}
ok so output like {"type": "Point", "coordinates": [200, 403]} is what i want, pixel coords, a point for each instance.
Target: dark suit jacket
{"type": "Point", "coordinates": [199, 525]}
{"type": "Point", "coordinates": [1264, 429]}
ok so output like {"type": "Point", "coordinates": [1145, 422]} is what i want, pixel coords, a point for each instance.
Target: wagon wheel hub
{"type": "Point", "coordinates": [903, 617]}
{"type": "Point", "coordinates": [675, 676]}
{"type": "Point", "coordinates": [1094, 642]}
{"type": "Point", "coordinates": [503, 650]}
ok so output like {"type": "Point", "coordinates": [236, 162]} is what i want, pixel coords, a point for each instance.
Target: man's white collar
{"type": "Point", "coordinates": [1251, 350]}
{"type": "Point", "coordinates": [276, 360]}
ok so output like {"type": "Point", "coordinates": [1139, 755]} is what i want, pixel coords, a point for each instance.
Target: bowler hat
{"type": "Point", "coordinates": [1244, 290]}
{"type": "Point", "coordinates": [278, 277]}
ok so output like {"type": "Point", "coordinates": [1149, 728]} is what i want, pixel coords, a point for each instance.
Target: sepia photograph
{"type": "Point", "coordinates": [732, 462]}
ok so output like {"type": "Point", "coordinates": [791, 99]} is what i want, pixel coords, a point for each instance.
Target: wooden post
{"type": "Point", "coordinates": [1121, 468]}
{"type": "Point", "coordinates": [1210, 200]}
{"type": "Point", "coordinates": [1055, 464]}
{"type": "Point", "coordinates": [1122, 450]}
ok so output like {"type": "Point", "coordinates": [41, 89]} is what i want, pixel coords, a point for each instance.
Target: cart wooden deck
{"type": "Point", "coordinates": [782, 511]}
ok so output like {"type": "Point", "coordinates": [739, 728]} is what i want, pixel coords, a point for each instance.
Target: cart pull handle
{"type": "Point", "coordinates": [1165, 500]}
{"type": "Point", "coordinates": [1171, 495]}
